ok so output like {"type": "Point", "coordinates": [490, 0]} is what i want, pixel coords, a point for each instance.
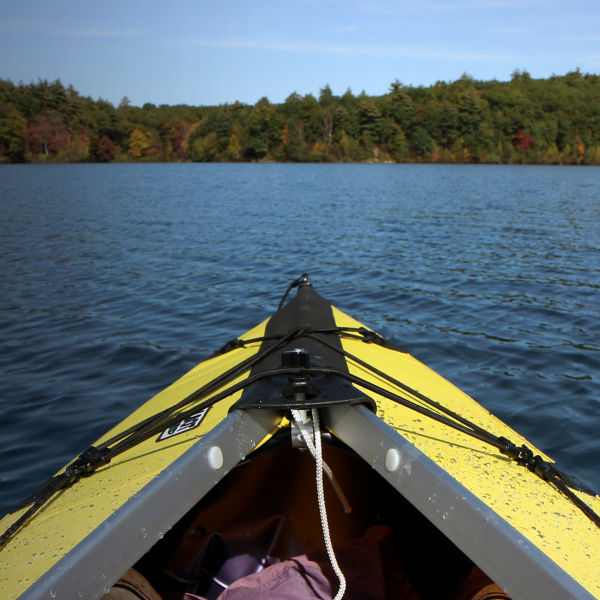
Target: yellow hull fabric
{"type": "Point", "coordinates": [544, 517]}
{"type": "Point", "coordinates": [80, 509]}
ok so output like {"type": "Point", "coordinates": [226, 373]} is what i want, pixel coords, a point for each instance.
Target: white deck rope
{"type": "Point", "coordinates": [317, 451]}
{"type": "Point", "coordinates": [307, 436]}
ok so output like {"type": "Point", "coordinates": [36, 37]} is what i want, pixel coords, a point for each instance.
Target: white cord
{"type": "Point", "coordinates": [301, 424]}
{"type": "Point", "coordinates": [317, 451]}
{"type": "Point", "coordinates": [322, 509]}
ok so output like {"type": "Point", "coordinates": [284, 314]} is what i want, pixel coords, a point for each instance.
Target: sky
{"type": "Point", "coordinates": [201, 52]}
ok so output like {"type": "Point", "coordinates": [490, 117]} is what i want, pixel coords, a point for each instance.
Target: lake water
{"type": "Point", "coordinates": [116, 279]}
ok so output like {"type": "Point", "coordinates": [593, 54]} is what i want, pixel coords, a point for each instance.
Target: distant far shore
{"type": "Point", "coordinates": [554, 121]}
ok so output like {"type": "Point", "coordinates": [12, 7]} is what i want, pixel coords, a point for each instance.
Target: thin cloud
{"type": "Point", "coordinates": [76, 32]}
{"type": "Point", "coordinates": [392, 7]}
{"type": "Point", "coordinates": [98, 33]}
{"type": "Point", "coordinates": [371, 50]}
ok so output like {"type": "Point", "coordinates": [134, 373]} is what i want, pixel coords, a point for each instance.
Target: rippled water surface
{"type": "Point", "coordinates": [116, 279]}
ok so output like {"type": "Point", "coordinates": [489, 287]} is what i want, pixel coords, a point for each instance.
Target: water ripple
{"type": "Point", "coordinates": [116, 279]}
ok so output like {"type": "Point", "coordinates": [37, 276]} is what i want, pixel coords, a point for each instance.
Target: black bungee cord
{"type": "Point", "coordinates": [302, 280]}
{"type": "Point", "coordinates": [97, 456]}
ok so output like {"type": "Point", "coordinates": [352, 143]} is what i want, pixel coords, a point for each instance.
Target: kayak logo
{"type": "Point", "coordinates": [184, 425]}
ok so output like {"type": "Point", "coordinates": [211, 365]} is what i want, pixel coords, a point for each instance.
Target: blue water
{"type": "Point", "coordinates": [116, 279]}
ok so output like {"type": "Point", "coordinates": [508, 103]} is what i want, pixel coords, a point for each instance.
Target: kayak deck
{"type": "Point", "coordinates": [494, 511]}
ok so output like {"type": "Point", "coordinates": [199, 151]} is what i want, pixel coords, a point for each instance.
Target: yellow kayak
{"type": "Point", "coordinates": [219, 465]}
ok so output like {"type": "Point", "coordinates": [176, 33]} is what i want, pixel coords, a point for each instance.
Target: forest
{"type": "Point", "coordinates": [524, 120]}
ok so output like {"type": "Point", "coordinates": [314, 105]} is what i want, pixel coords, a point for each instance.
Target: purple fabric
{"type": "Point", "coordinates": [312, 578]}
{"type": "Point", "coordinates": [225, 557]}
{"type": "Point", "coordinates": [289, 580]}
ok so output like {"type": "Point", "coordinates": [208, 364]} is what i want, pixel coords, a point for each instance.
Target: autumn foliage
{"type": "Point", "coordinates": [525, 120]}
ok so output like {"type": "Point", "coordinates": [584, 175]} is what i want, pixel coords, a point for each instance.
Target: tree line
{"type": "Point", "coordinates": [524, 120]}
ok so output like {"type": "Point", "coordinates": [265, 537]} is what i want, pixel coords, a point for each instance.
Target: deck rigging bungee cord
{"type": "Point", "coordinates": [97, 456]}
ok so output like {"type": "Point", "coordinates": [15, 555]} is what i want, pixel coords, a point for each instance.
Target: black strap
{"type": "Point", "coordinates": [95, 457]}
{"type": "Point", "coordinates": [206, 396]}
{"type": "Point", "coordinates": [303, 279]}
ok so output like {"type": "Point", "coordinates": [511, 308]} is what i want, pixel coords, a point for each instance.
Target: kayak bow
{"type": "Point", "coordinates": [496, 499]}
